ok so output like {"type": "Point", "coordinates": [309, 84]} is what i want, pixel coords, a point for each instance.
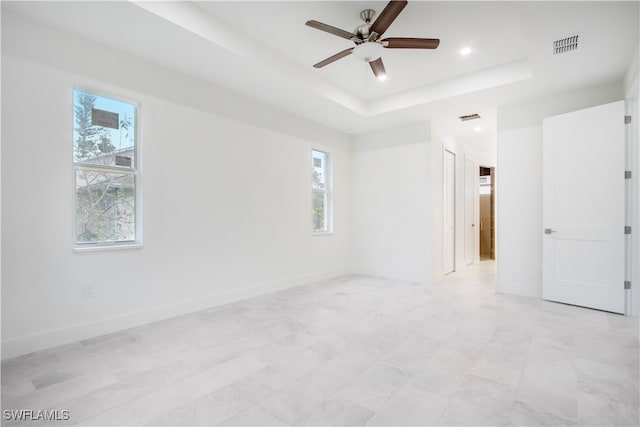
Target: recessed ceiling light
{"type": "Point", "coordinates": [465, 51]}
{"type": "Point", "coordinates": [477, 129]}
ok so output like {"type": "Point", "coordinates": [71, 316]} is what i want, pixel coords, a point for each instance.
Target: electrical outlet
{"type": "Point", "coordinates": [88, 292]}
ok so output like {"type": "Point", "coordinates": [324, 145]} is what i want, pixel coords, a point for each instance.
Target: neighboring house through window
{"type": "Point", "coordinates": [106, 159]}
{"type": "Point", "coordinates": [321, 191]}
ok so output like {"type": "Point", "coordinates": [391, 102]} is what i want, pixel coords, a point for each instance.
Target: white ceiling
{"type": "Point", "coordinates": [407, 69]}
{"type": "Point", "coordinates": [264, 50]}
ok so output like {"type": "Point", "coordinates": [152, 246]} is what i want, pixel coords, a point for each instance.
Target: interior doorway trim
{"type": "Point", "coordinates": [471, 205]}
{"type": "Point", "coordinates": [449, 212]}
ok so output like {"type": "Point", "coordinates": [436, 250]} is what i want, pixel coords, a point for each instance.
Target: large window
{"type": "Point", "coordinates": [106, 171]}
{"type": "Point", "coordinates": [321, 191]}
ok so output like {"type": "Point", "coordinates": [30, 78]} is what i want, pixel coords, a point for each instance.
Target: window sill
{"type": "Point", "coordinates": [323, 233]}
{"type": "Point", "coordinates": [113, 247]}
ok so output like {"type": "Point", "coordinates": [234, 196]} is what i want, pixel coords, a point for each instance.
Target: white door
{"type": "Point", "coordinates": [469, 211]}
{"type": "Point", "coordinates": [449, 214]}
{"type": "Point", "coordinates": [584, 207]}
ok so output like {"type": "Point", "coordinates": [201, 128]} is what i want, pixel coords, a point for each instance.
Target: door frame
{"type": "Point", "coordinates": [631, 203]}
{"type": "Point", "coordinates": [454, 213]}
{"type": "Point", "coordinates": [475, 208]}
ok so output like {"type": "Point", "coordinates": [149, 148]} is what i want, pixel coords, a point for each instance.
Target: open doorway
{"type": "Point", "coordinates": [487, 213]}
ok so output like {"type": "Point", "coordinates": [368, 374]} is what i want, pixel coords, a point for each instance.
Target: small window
{"type": "Point", "coordinates": [320, 191]}
{"type": "Point", "coordinates": [106, 162]}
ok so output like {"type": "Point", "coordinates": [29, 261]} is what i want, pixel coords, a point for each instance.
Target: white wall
{"type": "Point", "coordinates": [519, 181]}
{"type": "Point", "coordinates": [391, 203]}
{"type": "Point", "coordinates": [519, 211]}
{"type": "Point", "coordinates": [436, 148]}
{"type": "Point", "coordinates": [226, 204]}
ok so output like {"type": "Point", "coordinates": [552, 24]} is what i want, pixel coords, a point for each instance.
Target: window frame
{"type": "Point", "coordinates": [327, 192]}
{"type": "Point", "coordinates": [134, 171]}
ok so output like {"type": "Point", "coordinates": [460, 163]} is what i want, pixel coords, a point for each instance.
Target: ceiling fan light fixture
{"type": "Point", "coordinates": [367, 38]}
{"type": "Point", "coordinates": [368, 51]}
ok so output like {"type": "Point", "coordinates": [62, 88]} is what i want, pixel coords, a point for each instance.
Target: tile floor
{"type": "Point", "coordinates": [350, 351]}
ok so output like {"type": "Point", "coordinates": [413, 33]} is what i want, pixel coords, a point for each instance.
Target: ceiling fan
{"type": "Point", "coordinates": [368, 45]}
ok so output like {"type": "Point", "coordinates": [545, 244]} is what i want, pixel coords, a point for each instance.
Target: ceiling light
{"type": "Point", "coordinates": [382, 77]}
{"type": "Point", "coordinates": [368, 51]}
{"type": "Point", "coordinates": [477, 129]}
{"type": "Point", "coordinates": [465, 51]}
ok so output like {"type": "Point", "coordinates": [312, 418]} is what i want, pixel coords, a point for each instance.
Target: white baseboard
{"type": "Point", "coordinates": [520, 289]}
{"type": "Point", "coordinates": [56, 337]}
{"type": "Point", "coordinates": [392, 274]}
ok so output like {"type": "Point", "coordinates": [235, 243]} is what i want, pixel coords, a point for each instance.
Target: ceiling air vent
{"type": "Point", "coordinates": [567, 44]}
{"type": "Point", "coordinates": [469, 117]}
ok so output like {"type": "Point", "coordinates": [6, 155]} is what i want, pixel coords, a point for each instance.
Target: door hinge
{"type": "Point", "coordinates": [627, 284]}
{"type": "Point", "coordinates": [627, 120]}
{"type": "Point", "coordinates": [627, 229]}
{"type": "Point", "coordinates": [627, 174]}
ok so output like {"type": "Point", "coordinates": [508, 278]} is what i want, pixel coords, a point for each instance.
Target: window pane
{"type": "Point", "coordinates": [105, 207]}
{"type": "Point", "coordinates": [319, 209]}
{"type": "Point", "coordinates": [319, 169]}
{"type": "Point", "coordinates": [104, 130]}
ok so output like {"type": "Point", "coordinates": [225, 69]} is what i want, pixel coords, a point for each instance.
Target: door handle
{"type": "Point", "coordinates": [549, 231]}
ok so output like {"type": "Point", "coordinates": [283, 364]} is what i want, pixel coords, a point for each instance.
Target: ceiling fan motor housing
{"type": "Point", "coordinates": [361, 32]}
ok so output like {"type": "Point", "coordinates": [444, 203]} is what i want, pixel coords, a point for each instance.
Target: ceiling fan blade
{"type": "Point", "coordinates": [410, 43]}
{"type": "Point", "coordinates": [333, 58]}
{"type": "Point", "coordinates": [388, 15]}
{"type": "Point", "coordinates": [378, 68]}
{"type": "Point", "coordinates": [329, 29]}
